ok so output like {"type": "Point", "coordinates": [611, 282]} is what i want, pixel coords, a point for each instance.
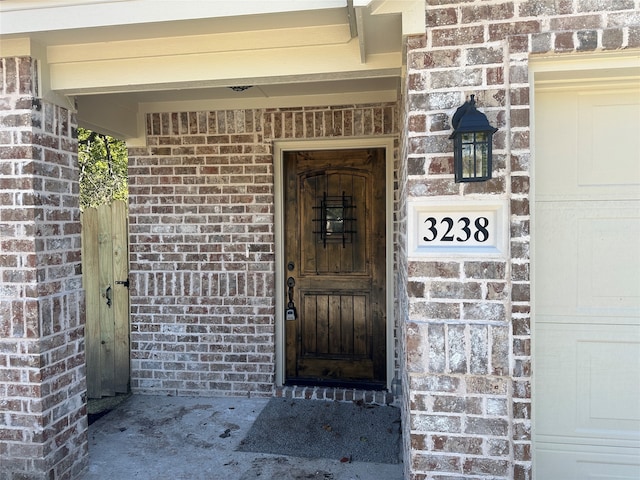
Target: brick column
{"type": "Point", "coordinates": [466, 382]}
{"type": "Point", "coordinates": [468, 335]}
{"type": "Point", "coordinates": [43, 425]}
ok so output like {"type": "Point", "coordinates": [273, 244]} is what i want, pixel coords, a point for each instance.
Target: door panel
{"type": "Point", "coordinates": [586, 402]}
{"type": "Point", "coordinates": [335, 252]}
{"type": "Point", "coordinates": [335, 324]}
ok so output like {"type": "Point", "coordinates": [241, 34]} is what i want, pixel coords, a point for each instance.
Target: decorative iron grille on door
{"type": "Point", "coordinates": [335, 219]}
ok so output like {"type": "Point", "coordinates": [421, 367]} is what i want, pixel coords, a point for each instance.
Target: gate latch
{"type": "Point", "coordinates": [123, 282]}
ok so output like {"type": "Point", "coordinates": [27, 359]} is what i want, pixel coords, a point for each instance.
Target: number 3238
{"type": "Point", "coordinates": [462, 229]}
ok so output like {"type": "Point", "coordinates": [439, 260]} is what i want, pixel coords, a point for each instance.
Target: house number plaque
{"type": "Point", "coordinates": [451, 229]}
{"type": "Point", "coordinates": [454, 228]}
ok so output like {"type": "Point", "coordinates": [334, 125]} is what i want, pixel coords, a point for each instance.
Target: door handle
{"type": "Point", "coordinates": [290, 284]}
{"type": "Point", "coordinates": [290, 313]}
{"type": "Point", "coordinates": [108, 296]}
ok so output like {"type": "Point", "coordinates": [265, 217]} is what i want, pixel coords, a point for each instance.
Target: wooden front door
{"type": "Point", "coordinates": [335, 267]}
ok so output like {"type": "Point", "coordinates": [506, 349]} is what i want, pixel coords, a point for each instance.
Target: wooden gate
{"type": "Point", "coordinates": [105, 271]}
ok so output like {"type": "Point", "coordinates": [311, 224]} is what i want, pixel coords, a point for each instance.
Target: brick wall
{"type": "Point", "coordinates": [42, 386]}
{"type": "Point", "coordinates": [202, 243]}
{"type": "Point", "coordinates": [468, 357]}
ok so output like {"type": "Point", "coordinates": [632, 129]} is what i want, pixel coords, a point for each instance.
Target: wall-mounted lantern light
{"type": "Point", "coordinates": [472, 139]}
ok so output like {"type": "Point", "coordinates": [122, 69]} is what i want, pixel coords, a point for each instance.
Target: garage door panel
{"type": "Point", "coordinates": [562, 462]}
{"type": "Point", "coordinates": [607, 123]}
{"type": "Point", "coordinates": [557, 269]}
{"type": "Point", "coordinates": [603, 401]}
{"type": "Point", "coordinates": [589, 247]}
{"type": "Point", "coordinates": [609, 249]}
{"type": "Point", "coordinates": [560, 142]}
{"type": "Point", "coordinates": [592, 141]}
{"type": "Point", "coordinates": [608, 398]}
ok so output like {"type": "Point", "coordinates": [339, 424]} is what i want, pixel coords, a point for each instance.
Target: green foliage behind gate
{"type": "Point", "coordinates": [103, 169]}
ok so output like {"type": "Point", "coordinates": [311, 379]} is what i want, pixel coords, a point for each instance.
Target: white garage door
{"type": "Point", "coordinates": [586, 265]}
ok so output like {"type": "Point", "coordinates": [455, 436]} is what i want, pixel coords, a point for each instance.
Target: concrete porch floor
{"type": "Point", "coordinates": [162, 437]}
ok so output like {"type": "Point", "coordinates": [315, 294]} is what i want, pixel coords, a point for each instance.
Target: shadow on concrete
{"type": "Point", "coordinates": [348, 431]}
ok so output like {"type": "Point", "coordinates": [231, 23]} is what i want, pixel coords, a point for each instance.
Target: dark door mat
{"type": "Point", "coordinates": [320, 429]}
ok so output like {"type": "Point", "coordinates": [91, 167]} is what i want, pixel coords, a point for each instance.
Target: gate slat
{"type": "Point", "coordinates": [91, 284]}
{"type": "Point", "coordinates": [121, 296]}
{"type": "Point", "coordinates": [105, 260]}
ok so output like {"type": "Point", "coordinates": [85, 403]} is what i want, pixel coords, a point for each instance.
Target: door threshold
{"type": "Point", "coordinates": [336, 394]}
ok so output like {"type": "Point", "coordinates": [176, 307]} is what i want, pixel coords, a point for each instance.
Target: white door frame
{"type": "Point", "coordinates": [281, 146]}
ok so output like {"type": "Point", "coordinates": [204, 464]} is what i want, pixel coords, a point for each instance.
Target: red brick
{"type": "Point", "coordinates": [442, 16]}
{"type": "Point", "coordinates": [439, 463]}
{"type": "Point", "coordinates": [500, 31]}
{"type": "Point", "coordinates": [537, 8]}
{"type": "Point", "coordinates": [441, 165]}
{"type": "Point", "coordinates": [463, 445]}
{"type": "Point", "coordinates": [612, 39]}
{"type": "Point", "coordinates": [478, 13]}
{"type": "Point", "coordinates": [485, 466]}
{"type": "Point", "coordinates": [447, 37]}
{"type": "Point", "coordinates": [578, 22]}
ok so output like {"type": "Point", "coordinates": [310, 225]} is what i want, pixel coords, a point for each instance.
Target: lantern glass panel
{"type": "Point", "coordinates": [482, 154]}
{"type": "Point", "coordinates": [468, 163]}
{"type": "Point", "coordinates": [474, 154]}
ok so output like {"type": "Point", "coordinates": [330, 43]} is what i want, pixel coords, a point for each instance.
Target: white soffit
{"type": "Point", "coordinates": [28, 16]}
{"type": "Point", "coordinates": [338, 92]}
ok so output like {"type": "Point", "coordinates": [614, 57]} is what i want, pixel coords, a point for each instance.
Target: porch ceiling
{"type": "Point", "coordinates": [120, 59]}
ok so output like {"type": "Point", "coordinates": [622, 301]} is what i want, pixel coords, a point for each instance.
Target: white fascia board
{"type": "Point", "coordinates": [217, 69]}
{"type": "Point", "coordinates": [19, 17]}
{"type": "Point", "coordinates": [197, 44]}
